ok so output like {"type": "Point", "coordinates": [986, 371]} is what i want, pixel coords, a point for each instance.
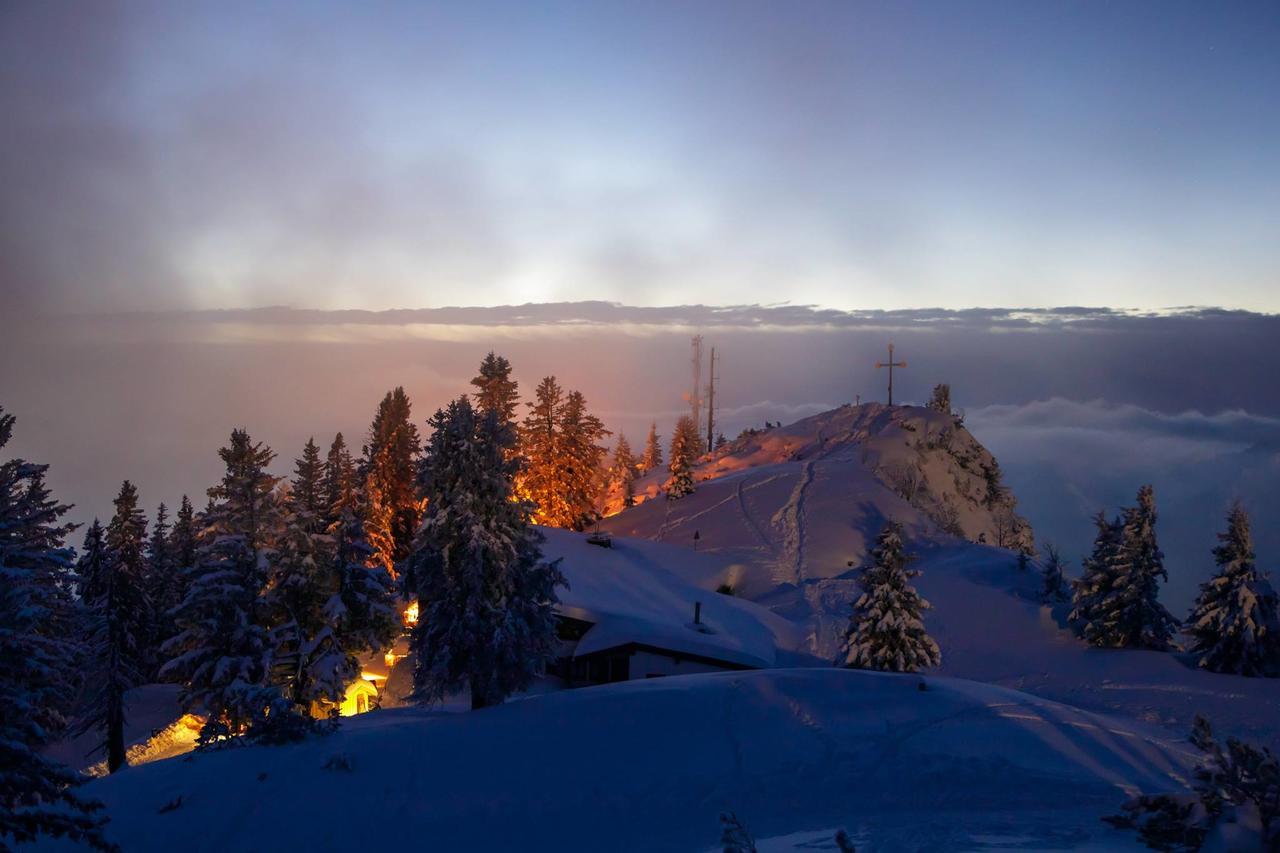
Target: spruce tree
{"type": "Point", "coordinates": [487, 598]}
{"type": "Point", "coordinates": [1140, 618]}
{"type": "Point", "coordinates": [163, 586]}
{"type": "Point", "coordinates": [390, 471]}
{"type": "Point", "coordinates": [306, 497]}
{"type": "Point", "coordinates": [1091, 617]}
{"type": "Point", "coordinates": [39, 663]}
{"type": "Point", "coordinates": [121, 627]}
{"type": "Point", "coordinates": [126, 542]}
{"type": "Point", "coordinates": [293, 608]}
{"type": "Point", "coordinates": [338, 482]}
{"type": "Point", "coordinates": [222, 652]}
{"type": "Point", "coordinates": [495, 390]}
{"type": "Point", "coordinates": [622, 472]}
{"type": "Point", "coordinates": [1233, 625]}
{"type": "Point", "coordinates": [1054, 589]}
{"type": "Point", "coordinates": [652, 456]}
{"type": "Point", "coordinates": [685, 443]}
{"type": "Point", "coordinates": [542, 479]}
{"type": "Point", "coordinates": [941, 399]}
{"type": "Point", "coordinates": [886, 631]}
{"type": "Point", "coordinates": [1116, 603]}
{"type": "Point", "coordinates": [182, 545]}
{"type": "Point", "coordinates": [379, 516]}
{"type": "Point", "coordinates": [91, 565]}
{"type": "Point", "coordinates": [583, 456]}
{"type": "Point", "coordinates": [360, 612]}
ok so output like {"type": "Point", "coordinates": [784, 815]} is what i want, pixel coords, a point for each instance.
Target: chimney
{"type": "Point", "coordinates": [697, 613]}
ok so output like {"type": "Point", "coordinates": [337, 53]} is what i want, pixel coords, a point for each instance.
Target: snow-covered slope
{"type": "Point", "coordinates": [628, 592]}
{"type": "Point", "coordinates": [787, 512]}
{"type": "Point", "coordinates": [649, 765]}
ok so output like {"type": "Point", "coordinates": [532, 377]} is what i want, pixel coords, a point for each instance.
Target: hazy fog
{"type": "Point", "coordinates": [1080, 406]}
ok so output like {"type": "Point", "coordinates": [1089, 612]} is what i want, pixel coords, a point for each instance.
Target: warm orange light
{"type": "Point", "coordinates": [411, 614]}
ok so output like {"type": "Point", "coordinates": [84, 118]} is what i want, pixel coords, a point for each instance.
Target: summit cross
{"type": "Point", "coordinates": [891, 364]}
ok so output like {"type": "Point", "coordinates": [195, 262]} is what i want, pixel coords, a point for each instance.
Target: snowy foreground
{"type": "Point", "coordinates": [1042, 738]}
{"type": "Point", "coordinates": [649, 765]}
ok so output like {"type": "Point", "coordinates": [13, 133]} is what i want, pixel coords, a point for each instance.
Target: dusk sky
{"type": "Point", "coordinates": [852, 156]}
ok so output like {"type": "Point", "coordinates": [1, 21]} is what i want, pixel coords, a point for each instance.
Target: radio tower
{"type": "Point", "coordinates": [711, 403]}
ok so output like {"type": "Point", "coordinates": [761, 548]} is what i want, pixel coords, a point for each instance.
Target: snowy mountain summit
{"type": "Point", "coordinates": [792, 505]}
{"type": "Point", "coordinates": [916, 465]}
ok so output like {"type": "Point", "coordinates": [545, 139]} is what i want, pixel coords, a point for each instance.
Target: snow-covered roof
{"type": "Point", "coordinates": [631, 595]}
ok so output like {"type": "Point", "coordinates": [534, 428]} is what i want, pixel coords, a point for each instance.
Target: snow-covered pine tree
{"type": "Point", "coordinates": [222, 653]}
{"type": "Point", "coordinates": [487, 597]}
{"type": "Point", "coordinates": [126, 542]}
{"type": "Point", "coordinates": [886, 629]}
{"type": "Point", "coordinates": [328, 601]}
{"type": "Point", "coordinates": [622, 473]}
{"type": "Point", "coordinates": [734, 837]}
{"type": "Point", "coordinates": [39, 663]}
{"type": "Point", "coordinates": [306, 497]}
{"type": "Point", "coordinates": [91, 565]}
{"type": "Point", "coordinates": [121, 627]}
{"type": "Point", "coordinates": [1116, 603]}
{"type": "Point", "coordinates": [182, 545]}
{"type": "Point", "coordinates": [390, 470]}
{"type": "Point", "coordinates": [1235, 803]}
{"type": "Point", "coordinates": [652, 456]}
{"type": "Point", "coordinates": [339, 482]}
{"type": "Point", "coordinates": [163, 586]}
{"type": "Point", "coordinates": [941, 399]}
{"type": "Point", "coordinates": [685, 444]}
{"type": "Point", "coordinates": [379, 518]}
{"type": "Point", "coordinates": [360, 614]}
{"type": "Point", "coordinates": [1054, 588]}
{"type": "Point", "coordinates": [1233, 625]}
{"type": "Point", "coordinates": [1090, 615]}
{"type": "Point", "coordinates": [542, 479]}
{"type": "Point", "coordinates": [293, 608]}
{"type": "Point", "coordinates": [1140, 619]}
{"type": "Point", "coordinates": [580, 436]}
{"type": "Point", "coordinates": [495, 390]}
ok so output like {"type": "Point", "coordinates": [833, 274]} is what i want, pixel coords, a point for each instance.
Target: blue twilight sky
{"type": "Point", "coordinates": [854, 155]}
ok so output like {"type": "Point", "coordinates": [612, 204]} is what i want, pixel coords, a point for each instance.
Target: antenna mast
{"type": "Point", "coordinates": [695, 392]}
{"type": "Point", "coordinates": [711, 403]}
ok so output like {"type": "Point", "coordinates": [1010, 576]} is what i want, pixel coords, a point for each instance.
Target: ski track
{"type": "Point", "coordinates": [752, 524]}
{"type": "Point", "coordinates": [790, 518]}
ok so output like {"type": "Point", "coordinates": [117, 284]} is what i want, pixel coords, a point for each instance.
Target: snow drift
{"type": "Point", "coordinates": [649, 765]}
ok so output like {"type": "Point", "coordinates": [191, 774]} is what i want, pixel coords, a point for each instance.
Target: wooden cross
{"type": "Point", "coordinates": [891, 364]}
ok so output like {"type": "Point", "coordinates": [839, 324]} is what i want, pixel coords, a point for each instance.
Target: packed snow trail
{"type": "Point", "coordinates": [790, 521]}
